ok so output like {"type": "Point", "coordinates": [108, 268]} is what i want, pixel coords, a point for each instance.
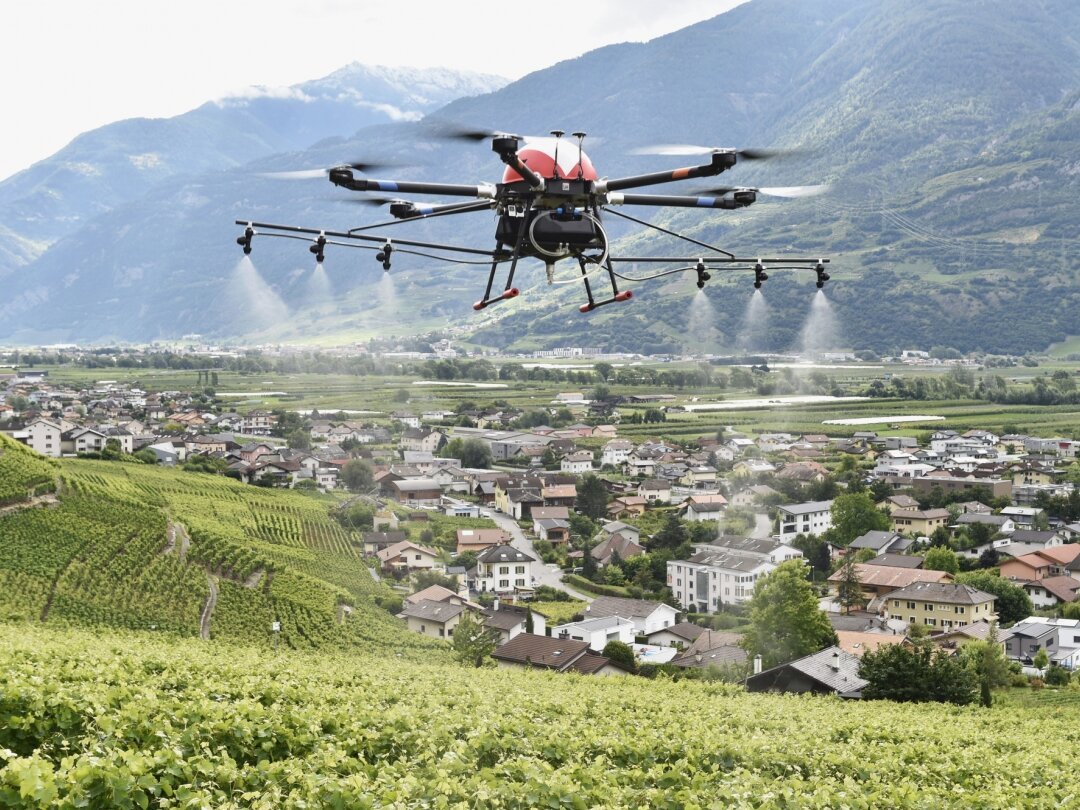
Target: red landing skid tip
{"type": "Point", "coordinates": [585, 308]}
{"type": "Point", "coordinates": [625, 295]}
{"type": "Point", "coordinates": [479, 305]}
{"type": "Point", "coordinates": [513, 292]}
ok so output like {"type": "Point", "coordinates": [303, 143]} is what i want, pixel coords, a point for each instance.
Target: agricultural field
{"type": "Point", "coordinates": [111, 719]}
{"type": "Point", "coordinates": [140, 547]}
{"type": "Point", "coordinates": [23, 473]}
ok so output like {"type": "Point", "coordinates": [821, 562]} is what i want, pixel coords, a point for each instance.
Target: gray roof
{"type": "Point", "coordinates": [731, 560]}
{"type": "Point", "coordinates": [832, 668]}
{"type": "Point", "coordinates": [503, 553]}
{"type": "Point", "coordinates": [619, 606]}
{"type": "Point", "coordinates": [596, 623]}
{"type": "Point", "coordinates": [875, 540]}
{"type": "Point", "coordinates": [896, 560]}
{"type": "Point", "coordinates": [430, 610]}
{"type": "Point", "coordinates": [952, 593]}
{"type": "Point", "coordinates": [982, 517]}
{"type": "Point", "coordinates": [806, 508]}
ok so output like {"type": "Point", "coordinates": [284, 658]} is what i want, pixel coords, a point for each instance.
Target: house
{"type": "Point", "coordinates": [1059, 637]}
{"type": "Point", "coordinates": [43, 437]}
{"type": "Point", "coordinates": [829, 672]}
{"type": "Point", "coordinates": [597, 632]}
{"type": "Point", "coordinates": [432, 617]}
{"type": "Point", "coordinates": [504, 569]}
{"type": "Point", "coordinates": [711, 648]}
{"type": "Point", "coordinates": [700, 476]}
{"type": "Point", "coordinates": [699, 508]}
{"type": "Point", "coordinates": [724, 572]}
{"type": "Point", "coordinates": [577, 463]}
{"type": "Point", "coordinates": [998, 523]}
{"type": "Point", "coordinates": [528, 651]}
{"type": "Point", "coordinates": [480, 539]}
{"type": "Point", "coordinates": [896, 560]}
{"type": "Point", "coordinates": [632, 505]}
{"type": "Point", "coordinates": [621, 544]}
{"type": "Point", "coordinates": [509, 621]}
{"type": "Point", "coordinates": [752, 466]}
{"type": "Point", "coordinates": [859, 643]}
{"type": "Point", "coordinates": [376, 541]}
{"type": "Point", "coordinates": [616, 452]}
{"type": "Point", "coordinates": [881, 580]}
{"type": "Point", "coordinates": [813, 517]}
{"type": "Point", "coordinates": [407, 554]}
{"type": "Point", "coordinates": [553, 530]}
{"type": "Point", "coordinates": [435, 593]}
{"type": "Point", "coordinates": [940, 605]}
{"type": "Point", "coordinates": [898, 502]}
{"type": "Point", "coordinates": [880, 542]}
{"type": "Point", "coordinates": [655, 490]}
{"type": "Point", "coordinates": [1050, 592]}
{"type": "Point", "coordinates": [618, 527]}
{"type": "Point", "coordinates": [421, 440]}
{"type": "Point", "coordinates": [417, 492]}
{"type": "Point", "coordinates": [647, 616]}
{"type": "Point", "coordinates": [681, 635]}
{"type": "Point", "coordinates": [960, 636]}
{"type": "Point", "coordinates": [1023, 516]}
{"type": "Point", "coordinates": [752, 495]}
{"type": "Point", "coordinates": [919, 522]}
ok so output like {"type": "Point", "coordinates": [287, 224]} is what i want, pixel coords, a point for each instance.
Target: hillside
{"type": "Point", "coordinates": [140, 547]}
{"type": "Point", "coordinates": [952, 221]}
{"type": "Point", "coordinates": [126, 720]}
{"type": "Point", "coordinates": [119, 163]}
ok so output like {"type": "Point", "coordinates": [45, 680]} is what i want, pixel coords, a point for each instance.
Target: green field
{"type": "Point", "coordinates": [140, 547]}
{"type": "Point", "coordinates": [106, 719]}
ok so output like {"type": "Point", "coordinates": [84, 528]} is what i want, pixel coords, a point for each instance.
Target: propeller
{"type": "Point", "coordinates": [685, 149]}
{"type": "Point", "coordinates": [790, 192]}
{"type": "Point", "coordinates": [318, 174]}
{"type": "Point", "coordinates": [451, 131]}
{"type": "Point", "coordinates": [371, 201]}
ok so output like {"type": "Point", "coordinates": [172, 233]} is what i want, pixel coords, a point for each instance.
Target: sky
{"type": "Point", "coordinates": [73, 65]}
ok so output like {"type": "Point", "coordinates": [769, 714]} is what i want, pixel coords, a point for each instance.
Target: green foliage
{"type": "Point", "coordinates": [22, 471]}
{"type": "Point", "coordinates": [358, 475]}
{"type": "Point", "coordinates": [673, 535]}
{"type": "Point", "coordinates": [621, 653]}
{"type": "Point", "coordinates": [854, 515]}
{"type": "Point", "coordinates": [785, 621]}
{"type": "Point", "coordinates": [473, 643]}
{"type": "Point", "coordinates": [1013, 602]}
{"type": "Point", "coordinates": [918, 673]}
{"type": "Point", "coordinates": [1041, 659]}
{"type": "Point", "coordinates": [592, 497]}
{"type": "Point", "coordinates": [940, 558]}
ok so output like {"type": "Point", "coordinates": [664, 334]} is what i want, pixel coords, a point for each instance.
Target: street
{"type": "Point", "coordinates": [544, 575]}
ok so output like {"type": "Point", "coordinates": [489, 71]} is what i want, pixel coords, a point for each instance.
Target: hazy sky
{"type": "Point", "coordinates": [73, 65]}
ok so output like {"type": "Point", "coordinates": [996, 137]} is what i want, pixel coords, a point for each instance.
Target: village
{"type": "Point", "coordinates": [573, 549]}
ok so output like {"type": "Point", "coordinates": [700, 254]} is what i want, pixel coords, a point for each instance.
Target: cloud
{"type": "Point", "coordinates": [241, 97]}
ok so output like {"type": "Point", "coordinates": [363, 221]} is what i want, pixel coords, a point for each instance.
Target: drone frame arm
{"type": "Point", "coordinates": [345, 179]}
{"type": "Point", "coordinates": [270, 229]}
{"type": "Point", "coordinates": [722, 160]}
{"type": "Point", "coordinates": [739, 198]}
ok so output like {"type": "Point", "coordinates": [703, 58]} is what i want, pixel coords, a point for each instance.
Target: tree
{"type": "Point", "coordinates": [785, 621]}
{"type": "Point", "coordinates": [299, 439]}
{"type": "Point", "coordinates": [358, 475]}
{"type": "Point", "coordinates": [854, 515]}
{"type": "Point", "coordinates": [917, 673]}
{"type": "Point", "coordinates": [475, 454]}
{"type": "Point", "coordinates": [621, 653]}
{"type": "Point", "coordinates": [1041, 659]}
{"type": "Point", "coordinates": [672, 535]}
{"type": "Point", "coordinates": [1013, 602]}
{"type": "Point", "coordinates": [939, 558]}
{"type": "Point", "coordinates": [473, 643]}
{"type": "Point", "coordinates": [815, 550]}
{"type": "Point", "coordinates": [849, 590]}
{"type": "Point", "coordinates": [604, 370]}
{"type": "Point", "coordinates": [592, 497]}
{"type": "Point", "coordinates": [987, 660]}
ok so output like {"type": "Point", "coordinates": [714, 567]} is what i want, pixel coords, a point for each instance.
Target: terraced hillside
{"type": "Point", "coordinates": [125, 720]}
{"type": "Point", "coordinates": [133, 546]}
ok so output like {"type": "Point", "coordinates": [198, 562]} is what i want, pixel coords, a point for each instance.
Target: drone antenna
{"type": "Point", "coordinates": [580, 139]}
{"type": "Point", "coordinates": [558, 133]}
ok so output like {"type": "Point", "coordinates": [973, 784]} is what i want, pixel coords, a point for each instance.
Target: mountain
{"type": "Point", "coordinates": [121, 162]}
{"type": "Point", "coordinates": [947, 129]}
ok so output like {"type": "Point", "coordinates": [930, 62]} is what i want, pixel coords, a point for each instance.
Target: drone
{"type": "Point", "coordinates": [550, 206]}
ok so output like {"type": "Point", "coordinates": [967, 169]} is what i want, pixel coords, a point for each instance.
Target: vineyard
{"type": "Point", "coordinates": [140, 547]}
{"type": "Point", "coordinates": [130, 720]}
{"type": "Point", "coordinates": [23, 473]}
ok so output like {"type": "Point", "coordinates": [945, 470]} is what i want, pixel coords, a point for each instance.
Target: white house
{"type": "Point", "coordinates": [724, 572]}
{"type": "Point", "coordinates": [504, 569]}
{"type": "Point", "coordinates": [577, 463]}
{"type": "Point", "coordinates": [616, 452]}
{"type": "Point", "coordinates": [648, 617]}
{"type": "Point", "coordinates": [813, 517]}
{"type": "Point", "coordinates": [44, 437]}
{"type": "Point", "coordinates": [597, 632]}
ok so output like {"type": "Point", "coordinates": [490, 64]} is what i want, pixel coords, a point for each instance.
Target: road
{"type": "Point", "coordinates": [545, 575]}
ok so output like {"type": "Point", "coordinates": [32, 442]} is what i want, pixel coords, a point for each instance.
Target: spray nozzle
{"type": "Point", "coordinates": [702, 274]}
{"type": "Point", "coordinates": [760, 275]}
{"type": "Point", "coordinates": [245, 240]}
{"type": "Point", "coordinates": [318, 247]}
{"type": "Point", "coordinates": [384, 255]}
{"type": "Point", "coordinates": [822, 276]}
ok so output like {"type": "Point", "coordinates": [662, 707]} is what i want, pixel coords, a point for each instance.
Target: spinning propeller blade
{"type": "Point", "coordinates": [685, 149]}
{"type": "Point", "coordinates": [319, 174]}
{"type": "Point", "coordinates": [773, 191]}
